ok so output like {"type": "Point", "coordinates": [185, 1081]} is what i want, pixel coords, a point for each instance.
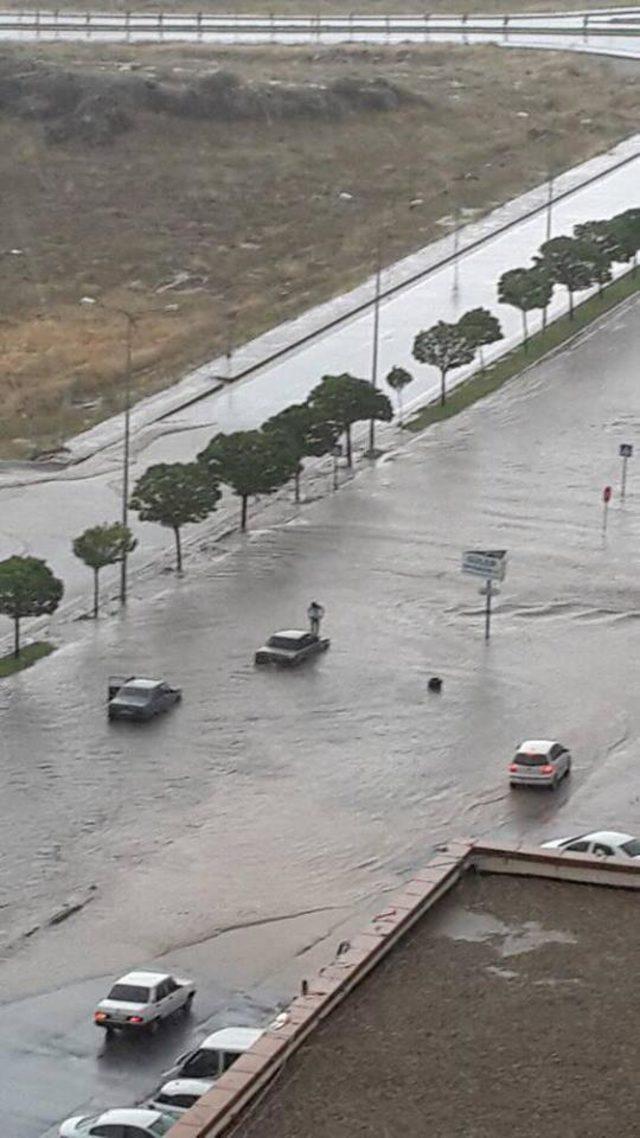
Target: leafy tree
{"type": "Point", "coordinates": [175, 494]}
{"type": "Point", "coordinates": [570, 262]}
{"type": "Point", "coordinates": [250, 462]}
{"type": "Point", "coordinates": [626, 229]}
{"type": "Point", "coordinates": [103, 545]}
{"type": "Point", "coordinates": [398, 378]}
{"type": "Point", "coordinates": [602, 235]}
{"type": "Point", "coordinates": [27, 588]}
{"type": "Point", "coordinates": [480, 327]}
{"type": "Point", "coordinates": [526, 289]}
{"type": "Point", "coordinates": [345, 400]}
{"type": "Point", "coordinates": [446, 347]}
{"type": "Point", "coordinates": [304, 433]}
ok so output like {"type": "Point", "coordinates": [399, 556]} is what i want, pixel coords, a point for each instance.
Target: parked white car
{"type": "Point", "coordinates": [215, 1054]}
{"type": "Point", "coordinates": [179, 1094]}
{"type": "Point", "coordinates": [539, 762]}
{"type": "Point", "coordinates": [141, 1000]}
{"type": "Point", "coordinates": [601, 843]}
{"type": "Point", "coordinates": [135, 1123]}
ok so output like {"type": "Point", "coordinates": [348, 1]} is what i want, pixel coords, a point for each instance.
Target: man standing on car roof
{"type": "Point", "coordinates": [315, 612]}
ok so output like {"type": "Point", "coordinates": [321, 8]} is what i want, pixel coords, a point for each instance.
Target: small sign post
{"type": "Point", "coordinates": [606, 498]}
{"type": "Point", "coordinates": [626, 452]}
{"type": "Point", "coordinates": [492, 565]}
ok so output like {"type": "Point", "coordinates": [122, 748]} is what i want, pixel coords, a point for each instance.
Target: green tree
{"type": "Point", "coordinates": [446, 347]}
{"type": "Point", "coordinates": [175, 494]}
{"type": "Point", "coordinates": [569, 262]}
{"type": "Point", "coordinates": [480, 327]}
{"type": "Point", "coordinates": [626, 229]}
{"type": "Point", "coordinates": [250, 462]}
{"type": "Point", "coordinates": [101, 546]}
{"type": "Point", "coordinates": [526, 289]}
{"type": "Point", "coordinates": [27, 588]}
{"type": "Point", "coordinates": [304, 433]}
{"type": "Point", "coordinates": [345, 400]}
{"type": "Point", "coordinates": [397, 379]}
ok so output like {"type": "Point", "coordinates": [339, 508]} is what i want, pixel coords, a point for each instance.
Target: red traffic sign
{"type": "Point", "coordinates": [606, 494]}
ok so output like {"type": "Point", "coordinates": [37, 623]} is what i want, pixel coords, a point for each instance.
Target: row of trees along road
{"type": "Point", "coordinates": [259, 462]}
{"type": "Point", "coordinates": [576, 263]}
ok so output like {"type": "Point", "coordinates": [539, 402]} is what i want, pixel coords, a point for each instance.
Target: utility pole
{"type": "Point", "coordinates": [375, 348]}
{"type": "Point", "coordinates": [549, 204]}
{"type": "Point", "coordinates": [126, 456]}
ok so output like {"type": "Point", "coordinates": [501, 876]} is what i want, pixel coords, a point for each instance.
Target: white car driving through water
{"type": "Point", "coordinates": [140, 1000]}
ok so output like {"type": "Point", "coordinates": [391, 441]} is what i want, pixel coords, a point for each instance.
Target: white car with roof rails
{"type": "Point", "coordinates": [215, 1054]}
{"type": "Point", "coordinates": [178, 1095]}
{"type": "Point", "coordinates": [540, 762]}
{"type": "Point", "coordinates": [134, 1123]}
{"type": "Point", "coordinates": [141, 1000]}
{"type": "Point", "coordinates": [600, 843]}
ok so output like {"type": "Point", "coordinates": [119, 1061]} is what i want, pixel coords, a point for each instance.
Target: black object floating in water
{"type": "Point", "coordinates": [435, 684]}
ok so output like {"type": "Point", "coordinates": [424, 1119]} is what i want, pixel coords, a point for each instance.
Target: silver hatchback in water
{"type": "Point", "coordinates": [540, 762]}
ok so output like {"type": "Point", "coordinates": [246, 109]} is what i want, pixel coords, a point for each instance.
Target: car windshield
{"type": "Point", "coordinates": [130, 994]}
{"type": "Point", "coordinates": [524, 759]}
{"type": "Point", "coordinates": [204, 1063]}
{"type": "Point", "coordinates": [134, 695]}
{"type": "Point", "coordinates": [632, 847]}
{"type": "Point", "coordinates": [283, 642]}
{"type": "Point", "coordinates": [161, 1126]}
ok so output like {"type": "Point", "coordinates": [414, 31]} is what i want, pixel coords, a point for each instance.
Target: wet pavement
{"type": "Point", "coordinates": [270, 810]}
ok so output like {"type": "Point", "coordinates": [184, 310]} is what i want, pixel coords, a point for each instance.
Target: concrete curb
{"type": "Point", "coordinates": [252, 1072]}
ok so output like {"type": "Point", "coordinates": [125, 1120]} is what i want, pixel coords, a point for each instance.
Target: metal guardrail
{"type": "Point", "coordinates": [201, 24]}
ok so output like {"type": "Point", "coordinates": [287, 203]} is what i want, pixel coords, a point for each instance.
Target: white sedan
{"type": "Point", "coordinates": [178, 1095]}
{"type": "Point", "coordinates": [601, 843]}
{"type": "Point", "coordinates": [136, 1123]}
{"type": "Point", "coordinates": [141, 1000]}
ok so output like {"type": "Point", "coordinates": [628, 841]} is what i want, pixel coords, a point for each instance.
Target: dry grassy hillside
{"type": "Point", "coordinates": [148, 180]}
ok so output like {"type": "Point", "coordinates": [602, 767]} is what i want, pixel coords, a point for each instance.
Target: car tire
{"type": "Point", "coordinates": [187, 1006]}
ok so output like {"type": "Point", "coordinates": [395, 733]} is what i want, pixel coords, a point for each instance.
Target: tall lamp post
{"type": "Point", "coordinates": [375, 348]}
{"type": "Point", "coordinates": [131, 323]}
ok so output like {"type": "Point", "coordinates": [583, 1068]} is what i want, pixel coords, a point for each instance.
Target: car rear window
{"type": "Point", "coordinates": [524, 759]}
{"type": "Point", "coordinates": [130, 994]}
{"type": "Point", "coordinates": [134, 695]}
{"type": "Point", "coordinates": [632, 848]}
{"type": "Point", "coordinates": [282, 642]}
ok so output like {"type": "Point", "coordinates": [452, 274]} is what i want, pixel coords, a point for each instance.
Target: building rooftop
{"type": "Point", "coordinates": [509, 1009]}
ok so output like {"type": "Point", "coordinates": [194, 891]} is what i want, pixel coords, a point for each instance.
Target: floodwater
{"type": "Point", "coordinates": [266, 797]}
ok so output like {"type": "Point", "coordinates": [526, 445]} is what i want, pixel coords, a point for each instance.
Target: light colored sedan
{"type": "Point", "coordinates": [601, 843]}
{"type": "Point", "coordinates": [135, 1123]}
{"type": "Point", "coordinates": [178, 1095]}
{"type": "Point", "coordinates": [142, 1000]}
{"type": "Point", "coordinates": [539, 762]}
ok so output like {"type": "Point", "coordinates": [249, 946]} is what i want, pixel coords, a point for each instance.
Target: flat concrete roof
{"type": "Point", "coordinates": [511, 1008]}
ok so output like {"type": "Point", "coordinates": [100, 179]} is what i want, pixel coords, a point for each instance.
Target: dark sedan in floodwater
{"type": "Point", "coordinates": [137, 698]}
{"type": "Point", "coordinates": [291, 647]}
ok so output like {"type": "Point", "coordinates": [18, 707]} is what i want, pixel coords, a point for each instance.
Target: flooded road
{"type": "Point", "coordinates": [268, 799]}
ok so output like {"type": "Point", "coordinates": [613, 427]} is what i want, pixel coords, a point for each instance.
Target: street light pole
{"type": "Point", "coordinates": [131, 322]}
{"type": "Point", "coordinates": [126, 455]}
{"type": "Point", "coordinates": [549, 204]}
{"type": "Point", "coordinates": [375, 350]}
